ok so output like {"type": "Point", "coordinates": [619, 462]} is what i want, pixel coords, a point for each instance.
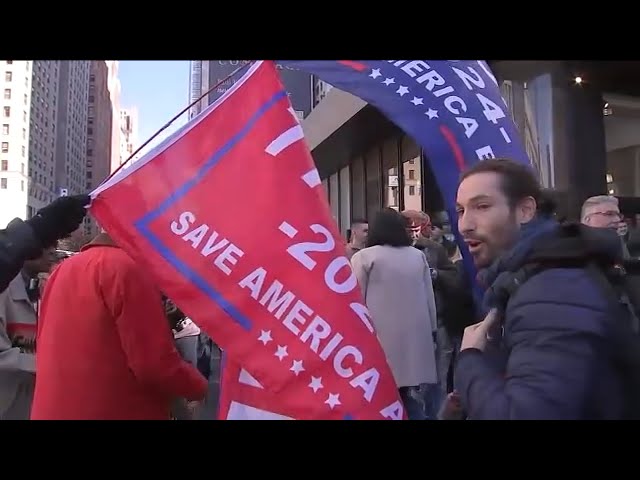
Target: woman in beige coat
{"type": "Point", "coordinates": [396, 284]}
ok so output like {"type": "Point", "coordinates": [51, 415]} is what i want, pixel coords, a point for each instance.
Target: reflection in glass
{"type": "Point", "coordinates": [411, 170]}
{"type": "Point", "coordinates": [411, 175]}
{"type": "Point", "coordinates": [345, 200]}
{"type": "Point", "coordinates": [372, 159]}
{"type": "Point", "coordinates": [325, 187]}
{"type": "Point", "coordinates": [390, 169]}
{"type": "Point", "coordinates": [334, 197]}
{"type": "Point", "coordinates": [622, 131]}
{"type": "Point", "coordinates": [529, 104]}
{"type": "Point", "coordinates": [359, 205]}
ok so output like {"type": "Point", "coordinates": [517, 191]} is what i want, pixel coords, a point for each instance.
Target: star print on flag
{"type": "Point", "coordinates": [169, 211]}
{"type": "Point", "coordinates": [453, 109]}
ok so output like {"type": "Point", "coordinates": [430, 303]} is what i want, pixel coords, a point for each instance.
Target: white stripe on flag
{"type": "Point", "coordinates": [240, 411]}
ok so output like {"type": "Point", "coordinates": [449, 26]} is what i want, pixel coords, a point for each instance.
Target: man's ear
{"type": "Point", "coordinates": [526, 210]}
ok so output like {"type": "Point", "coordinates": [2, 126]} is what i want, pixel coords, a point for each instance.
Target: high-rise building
{"type": "Point", "coordinates": [129, 130]}
{"type": "Point", "coordinates": [114, 86]}
{"type": "Point", "coordinates": [206, 74]}
{"type": "Point", "coordinates": [15, 83]}
{"type": "Point", "coordinates": [43, 134]}
{"type": "Point", "coordinates": [99, 133]}
{"type": "Point", "coordinates": [71, 127]}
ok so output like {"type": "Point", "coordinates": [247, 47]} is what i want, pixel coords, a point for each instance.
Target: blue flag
{"type": "Point", "coordinates": [453, 109]}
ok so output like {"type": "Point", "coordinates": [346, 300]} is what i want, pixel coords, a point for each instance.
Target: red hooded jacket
{"type": "Point", "coordinates": [104, 349]}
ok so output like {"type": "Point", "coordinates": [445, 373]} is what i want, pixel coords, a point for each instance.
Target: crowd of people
{"type": "Point", "coordinates": [545, 330]}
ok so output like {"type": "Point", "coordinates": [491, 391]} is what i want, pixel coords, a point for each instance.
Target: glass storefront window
{"type": "Point", "coordinates": [390, 167]}
{"type": "Point", "coordinates": [374, 183]}
{"type": "Point", "coordinates": [622, 132]}
{"type": "Point", "coordinates": [358, 199]}
{"type": "Point", "coordinates": [345, 200]}
{"type": "Point", "coordinates": [334, 197]}
{"type": "Point", "coordinates": [411, 174]}
{"type": "Point", "coordinates": [325, 187]}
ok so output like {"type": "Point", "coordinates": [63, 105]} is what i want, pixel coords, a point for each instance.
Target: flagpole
{"type": "Point", "coordinates": [182, 112]}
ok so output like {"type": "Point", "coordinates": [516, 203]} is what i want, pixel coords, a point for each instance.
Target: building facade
{"type": "Point", "coordinates": [45, 109]}
{"type": "Point", "coordinates": [114, 86]}
{"type": "Point", "coordinates": [99, 133]}
{"type": "Point", "coordinates": [578, 121]}
{"type": "Point", "coordinates": [71, 127]}
{"type": "Point", "coordinates": [43, 136]}
{"type": "Point", "coordinates": [206, 74]}
{"type": "Point", "coordinates": [15, 83]}
{"type": "Point", "coordinates": [128, 132]}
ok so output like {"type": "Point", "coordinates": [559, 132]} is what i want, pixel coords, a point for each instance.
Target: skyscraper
{"type": "Point", "coordinates": [129, 130]}
{"type": "Point", "coordinates": [15, 83]}
{"type": "Point", "coordinates": [71, 127]}
{"type": "Point", "coordinates": [44, 133]}
{"type": "Point", "coordinates": [114, 86]}
{"type": "Point", "coordinates": [99, 133]}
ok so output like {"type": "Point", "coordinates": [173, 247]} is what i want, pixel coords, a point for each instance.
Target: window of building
{"type": "Point", "coordinates": [334, 197]}
{"type": "Point", "coordinates": [9, 62]}
{"type": "Point", "coordinates": [22, 168]}
{"type": "Point", "coordinates": [411, 174]}
{"type": "Point", "coordinates": [24, 151]}
{"type": "Point", "coordinates": [6, 112]}
{"type": "Point", "coordinates": [5, 129]}
{"type": "Point", "coordinates": [7, 94]}
{"type": "Point", "coordinates": [374, 182]}
{"type": "Point", "coordinates": [325, 187]}
{"type": "Point", "coordinates": [89, 131]}
{"type": "Point", "coordinates": [345, 199]}
{"type": "Point", "coordinates": [8, 76]}
{"type": "Point", "coordinates": [358, 195]}
{"type": "Point", "coordinates": [4, 165]}
{"type": "Point", "coordinates": [22, 185]}
{"type": "Point", "coordinates": [3, 183]}
{"type": "Point", "coordinates": [91, 98]}
{"type": "Point", "coordinates": [390, 177]}
{"type": "Point", "coordinates": [5, 147]}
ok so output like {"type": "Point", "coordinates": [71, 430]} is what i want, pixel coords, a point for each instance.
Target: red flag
{"type": "Point", "coordinates": [279, 297]}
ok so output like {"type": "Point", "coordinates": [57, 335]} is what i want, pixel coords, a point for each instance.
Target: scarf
{"type": "Point", "coordinates": [499, 272]}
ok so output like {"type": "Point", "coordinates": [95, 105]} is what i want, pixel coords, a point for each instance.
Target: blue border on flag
{"type": "Point", "coordinates": [143, 224]}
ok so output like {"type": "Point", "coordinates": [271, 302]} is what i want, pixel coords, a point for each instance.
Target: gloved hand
{"type": "Point", "coordinates": [59, 219]}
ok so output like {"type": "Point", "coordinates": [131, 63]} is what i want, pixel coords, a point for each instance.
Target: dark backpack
{"type": "Point", "coordinates": [621, 285]}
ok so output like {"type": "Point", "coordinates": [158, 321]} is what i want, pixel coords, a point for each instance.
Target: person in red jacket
{"type": "Point", "coordinates": [104, 349]}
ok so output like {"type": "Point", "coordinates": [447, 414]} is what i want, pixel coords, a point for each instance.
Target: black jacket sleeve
{"type": "Point", "coordinates": [17, 244]}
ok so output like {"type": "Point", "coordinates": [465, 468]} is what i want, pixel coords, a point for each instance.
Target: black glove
{"type": "Point", "coordinates": [59, 219]}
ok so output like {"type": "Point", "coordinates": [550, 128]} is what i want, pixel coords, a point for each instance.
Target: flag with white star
{"type": "Point", "coordinates": [453, 109]}
{"type": "Point", "coordinates": [285, 305]}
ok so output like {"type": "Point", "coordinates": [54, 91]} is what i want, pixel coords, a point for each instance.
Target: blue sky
{"type": "Point", "coordinates": [159, 89]}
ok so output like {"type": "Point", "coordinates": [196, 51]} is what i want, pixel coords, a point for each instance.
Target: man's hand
{"type": "Point", "coordinates": [477, 336]}
{"type": "Point", "coordinates": [59, 219]}
{"type": "Point", "coordinates": [451, 408]}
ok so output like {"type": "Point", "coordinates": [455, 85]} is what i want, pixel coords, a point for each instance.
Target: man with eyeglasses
{"type": "Point", "coordinates": [603, 211]}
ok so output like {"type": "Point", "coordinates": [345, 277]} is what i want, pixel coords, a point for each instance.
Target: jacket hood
{"type": "Point", "coordinates": [551, 243]}
{"type": "Point", "coordinates": [101, 240]}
